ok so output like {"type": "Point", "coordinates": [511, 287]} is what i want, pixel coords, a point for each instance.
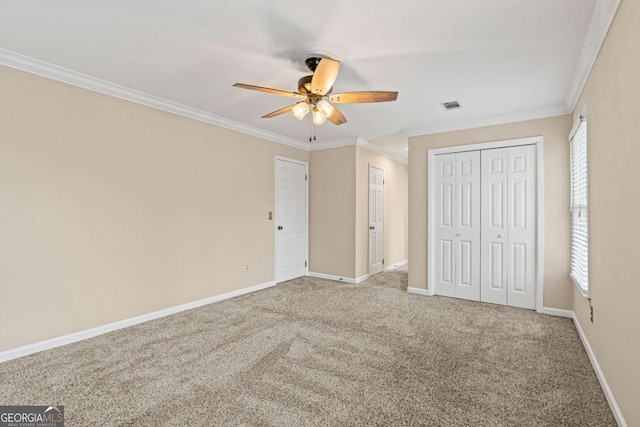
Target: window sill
{"type": "Point", "coordinates": [585, 294]}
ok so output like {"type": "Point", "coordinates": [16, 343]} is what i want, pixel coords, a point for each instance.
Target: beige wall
{"type": "Point", "coordinates": [557, 285]}
{"type": "Point", "coordinates": [332, 211]}
{"type": "Point", "coordinates": [109, 209]}
{"type": "Point", "coordinates": [395, 209]}
{"type": "Point", "coordinates": [339, 209]}
{"type": "Point", "coordinates": [611, 97]}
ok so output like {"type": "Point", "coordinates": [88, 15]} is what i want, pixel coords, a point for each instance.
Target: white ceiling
{"type": "Point", "coordinates": [496, 57]}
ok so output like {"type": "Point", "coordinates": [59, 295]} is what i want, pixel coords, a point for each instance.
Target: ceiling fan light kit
{"type": "Point", "coordinates": [300, 110]}
{"type": "Point", "coordinates": [318, 117]}
{"type": "Point", "coordinates": [315, 88]}
{"type": "Point", "coordinates": [325, 108]}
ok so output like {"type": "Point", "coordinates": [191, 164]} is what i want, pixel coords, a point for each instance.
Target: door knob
{"type": "Point", "coordinates": [500, 236]}
{"type": "Point", "coordinates": [458, 234]}
{"type": "Point", "coordinates": [372, 228]}
{"type": "Point", "coordinates": [279, 227]}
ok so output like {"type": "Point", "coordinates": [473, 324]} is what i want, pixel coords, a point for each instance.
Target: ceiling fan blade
{"type": "Point", "coordinates": [278, 112]}
{"type": "Point", "coordinates": [337, 118]}
{"type": "Point", "coordinates": [269, 90]}
{"type": "Point", "coordinates": [325, 76]}
{"type": "Point", "coordinates": [360, 97]}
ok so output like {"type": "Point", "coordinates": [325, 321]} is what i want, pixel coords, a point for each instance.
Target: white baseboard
{"type": "Point", "coordinates": [361, 278]}
{"type": "Point", "coordinates": [397, 265]}
{"type": "Point", "coordinates": [594, 362]}
{"type": "Point", "coordinates": [557, 312]}
{"type": "Point", "coordinates": [90, 333]}
{"type": "Point", "coordinates": [343, 279]}
{"type": "Point", "coordinates": [418, 291]}
{"type": "Point", "coordinates": [592, 357]}
{"type": "Point", "coordinates": [603, 381]}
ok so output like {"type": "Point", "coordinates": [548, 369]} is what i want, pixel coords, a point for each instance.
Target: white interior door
{"type": "Point", "coordinates": [494, 226]}
{"type": "Point", "coordinates": [457, 248]}
{"type": "Point", "coordinates": [521, 226]}
{"type": "Point", "coordinates": [509, 226]}
{"type": "Point", "coordinates": [291, 220]}
{"type": "Point", "coordinates": [376, 223]}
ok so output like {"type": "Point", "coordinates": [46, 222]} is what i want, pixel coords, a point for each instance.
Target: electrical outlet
{"type": "Point", "coordinates": [246, 266]}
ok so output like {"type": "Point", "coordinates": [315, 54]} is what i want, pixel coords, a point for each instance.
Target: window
{"type": "Point", "coordinates": [579, 206]}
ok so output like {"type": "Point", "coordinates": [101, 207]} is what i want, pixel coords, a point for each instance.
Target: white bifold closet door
{"type": "Point", "coordinates": [485, 225]}
{"type": "Point", "coordinates": [457, 248]}
{"type": "Point", "coordinates": [509, 226]}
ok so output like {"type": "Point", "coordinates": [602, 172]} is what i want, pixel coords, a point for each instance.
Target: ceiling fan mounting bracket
{"type": "Point", "coordinates": [299, 60]}
{"type": "Point", "coordinates": [312, 63]}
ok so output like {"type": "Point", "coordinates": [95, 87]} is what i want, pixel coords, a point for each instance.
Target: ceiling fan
{"type": "Point", "coordinates": [314, 91]}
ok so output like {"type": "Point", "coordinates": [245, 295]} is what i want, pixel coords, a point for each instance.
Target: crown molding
{"type": "Point", "coordinates": [491, 121]}
{"type": "Point", "coordinates": [360, 142]}
{"type": "Point", "coordinates": [601, 20]}
{"type": "Point", "coordinates": [64, 75]}
{"type": "Point", "coordinates": [74, 78]}
{"type": "Point", "coordinates": [333, 143]}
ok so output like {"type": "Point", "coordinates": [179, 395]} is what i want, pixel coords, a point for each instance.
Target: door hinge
{"type": "Point", "coordinates": [383, 182]}
{"type": "Point", "coordinates": [305, 263]}
{"type": "Point", "coordinates": [305, 177]}
{"type": "Point", "coordinates": [383, 260]}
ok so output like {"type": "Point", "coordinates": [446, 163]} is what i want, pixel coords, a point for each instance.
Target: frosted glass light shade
{"type": "Point", "coordinates": [300, 110]}
{"type": "Point", "coordinates": [318, 117]}
{"type": "Point", "coordinates": [325, 108]}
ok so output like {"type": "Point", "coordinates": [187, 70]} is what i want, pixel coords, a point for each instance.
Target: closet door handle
{"type": "Point", "coordinates": [458, 234]}
{"type": "Point", "coordinates": [500, 236]}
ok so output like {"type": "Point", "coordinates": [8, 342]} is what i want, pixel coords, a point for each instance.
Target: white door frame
{"type": "Point", "coordinates": [275, 205]}
{"type": "Point", "coordinates": [538, 142]}
{"type": "Point", "coordinates": [369, 215]}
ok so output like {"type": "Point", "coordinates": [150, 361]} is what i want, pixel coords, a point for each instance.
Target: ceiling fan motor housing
{"type": "Point", "coordinates": [304, 84]}
{"type": "Point", "coordinates": [304, 87]}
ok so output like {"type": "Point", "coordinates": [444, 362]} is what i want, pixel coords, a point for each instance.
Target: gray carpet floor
{"type": "Point", "coordinates": [316, 352]}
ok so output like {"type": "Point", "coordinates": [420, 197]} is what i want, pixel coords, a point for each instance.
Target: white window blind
{"type": "Point", "coordinates": [579, 206]}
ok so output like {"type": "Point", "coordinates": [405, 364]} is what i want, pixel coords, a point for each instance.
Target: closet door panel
{"type": "Point", "coordinates": [521, 226]}
{"type": "Point", "coordinates": [467, 222]}
{"type": "Point", "coordinates": [494, 226]}
{"type": "Point", "coordinates": [445, 229]}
